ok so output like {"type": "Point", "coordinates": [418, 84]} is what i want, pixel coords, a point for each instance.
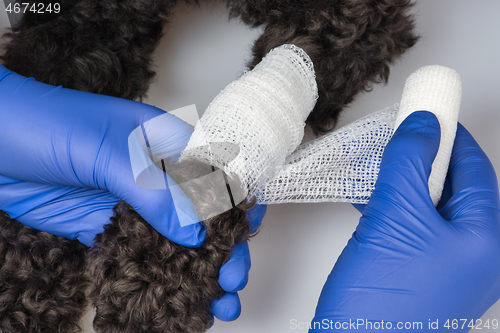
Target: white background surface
{"type": "Point", "coordinates": [298, 245]}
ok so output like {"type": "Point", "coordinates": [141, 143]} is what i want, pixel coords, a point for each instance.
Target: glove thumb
{"type": "Point", "coordinates": [407, 161]}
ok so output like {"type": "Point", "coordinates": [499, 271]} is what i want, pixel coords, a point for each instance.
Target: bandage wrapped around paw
{"type": "Point", "coordinates": [258, 120]}
{"type": "Point", "coordinates": [239, 144]}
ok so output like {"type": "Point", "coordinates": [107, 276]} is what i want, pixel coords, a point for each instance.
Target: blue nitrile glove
{"type": "Point", "coordinates": [80, 211]}
{"type": "Point", "coordinates": [62, 137]}
{"type": "Point", "coordinates": [71, 212]}
{"type": "Point", "coordinates": [408, 262]}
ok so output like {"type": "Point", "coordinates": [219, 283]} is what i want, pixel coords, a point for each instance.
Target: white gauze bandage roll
{"type": "Point", "coordinates": [436, 89]}
{"type": "Point", "coordinates": [258, 120]}
{"type": "Point", "coordinates": [343, 166]}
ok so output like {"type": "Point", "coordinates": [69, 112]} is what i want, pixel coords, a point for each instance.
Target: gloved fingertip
{"type": "Point", "coordinates": [255, 216]}
{"type": "Point", "coordinates": [408, 157]}
{"type": "Point", "coordinates": [227, 308]}
{"type": "Point", "coordinates": [87, 242]}
{"type": "Point", "coordinates": [421, 122]}
{"type": "Point", "coordinates": [415, 140]}
{"type": "Point", "coordinates": [464, 139]}
{"type": "Point", "coordinates": [233, 276]}
{"type": "Point", "coordinates": [212, 321]}
{"type": "Point", "coordinates": [190, 236]}
{"type": "Point", "coordinates": [360, 207]}
{"type": "Point", "coordinates": [87, 237]}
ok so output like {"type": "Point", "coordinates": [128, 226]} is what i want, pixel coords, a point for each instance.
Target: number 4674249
{"type": "Point", "coordinates": [477, 324]}
{"type": "Point", "coordinates": [37, 8]}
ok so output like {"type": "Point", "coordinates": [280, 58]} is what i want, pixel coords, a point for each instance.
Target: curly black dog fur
{"type": "Point", "coordinates": [106, 46]}
{"type": "Point", "coordinates": [142, 282]}
{"type": "Point", "coordinates": [351, 43]}
{"type": "Point", "coordinates": [103, 47]}
{"type": "Point", "coordinates": [42, 280]}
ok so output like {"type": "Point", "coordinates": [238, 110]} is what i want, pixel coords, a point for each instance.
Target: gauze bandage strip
{"type": "Point", "coordinates": [258, 120]}
{"type": "Point", "coordinates": [343, 165]}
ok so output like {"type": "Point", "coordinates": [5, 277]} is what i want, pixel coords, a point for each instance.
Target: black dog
{"type": "Point", "coordinates": [106, 47]}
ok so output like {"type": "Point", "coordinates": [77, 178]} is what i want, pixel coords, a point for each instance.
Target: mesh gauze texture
{"type": "Point", "coordinates": [258, 120]}
{"type": "Point", "coordinates": [343, 165]}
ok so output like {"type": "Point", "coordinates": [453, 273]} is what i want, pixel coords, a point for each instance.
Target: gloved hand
{"type": "Point", "coordinates": [65, 164]}
{"type": "Point", "coordinates": [62, 137]}
{"type": "Point", "coordinates": [408, 262]}
{"type": "Point", "coordinates": [57, 208]}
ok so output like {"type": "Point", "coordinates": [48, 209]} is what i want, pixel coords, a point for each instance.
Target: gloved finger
{"type": "Point", "coordinates": [359, 207]}
{"type": "Point", "coordinates": [233, 274]}
{"type": "Point", "coordinates": [470, 168]}
{"type": "Point", "coordinates": [255, 216]}
{"type": "Point", "coordinates": [475, 186]}
{"type": "Point", "coordinates": [70, 212]}
{"type": "Point", "coordinates": [407, 161]}
{"type": "Point", "coordinates": [227, 308]}
{"type": "Point", "coordinates": [81, 222]}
